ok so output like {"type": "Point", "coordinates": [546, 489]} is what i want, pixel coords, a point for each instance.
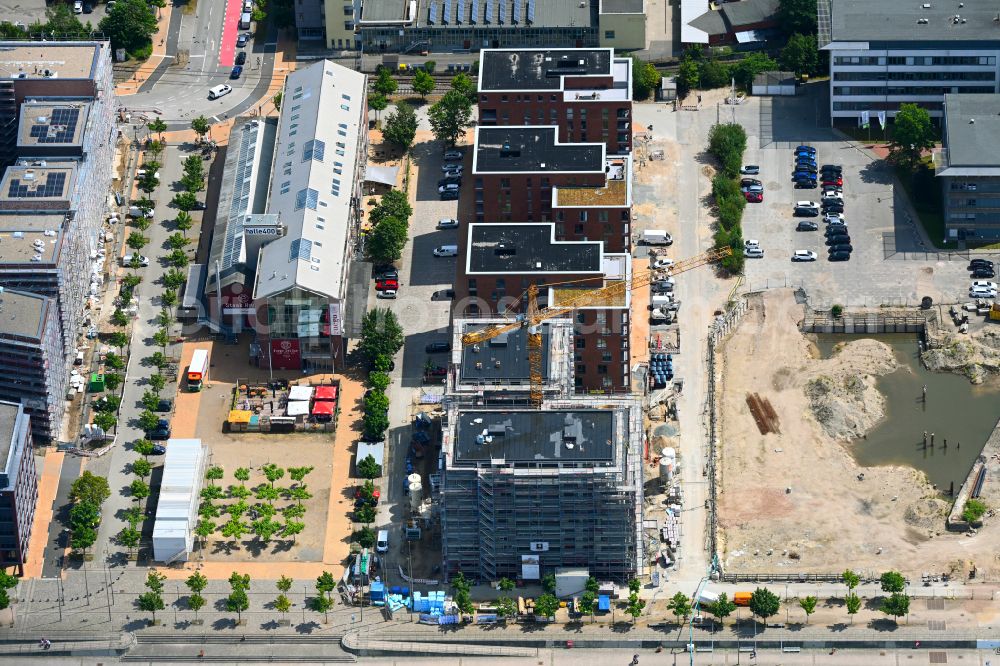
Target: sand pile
{"type": "Point", "coordinates": [842, 394]}
{"type": "Point", "coordinates": [928, 513]}
{"type": "Point", "coordinates": [976, 356]}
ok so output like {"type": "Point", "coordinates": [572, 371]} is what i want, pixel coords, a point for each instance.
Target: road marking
{"type": "Point", "coordinates": [216, 119]}
{"type": "Point", "coordinates": [200, 55]}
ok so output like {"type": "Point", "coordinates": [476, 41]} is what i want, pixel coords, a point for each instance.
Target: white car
{"type": "Point", "coordinates": [662, 262]}
{"type": "Point", "coordinates": [127, 260]}
{"type": "Point", "coordinates": [386, 293]}
{"type": "Point", "coordinates": [751, 242]}
{"type": "Point", "coordinates": [447, 223]}
{"type": "Point", "coordinates": [141, 173]}
{"type": "Point", "coordinates": [804, 255]}
{"type": "Point", "coordinates": [806, 204]}
{"type": "Point", "coordinates": [448, 166]}
{"type": "Point", "coordinates": [450, 187]}
{"type": "Point", "coordinates": [982, 284]}
{"type": "Point", "coordinates": [78, 7]}
{"type": "Point", "coordinates": [979, 292]}
{"type": "Point", "coordinates": [753, 253]}
{"type": "Point", "coordinates": [834, 218]}
{"type": "Point", "coordinates": [219, 90]}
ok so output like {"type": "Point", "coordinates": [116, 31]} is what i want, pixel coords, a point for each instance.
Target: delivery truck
{"type": "Point", "coordinates": [655, 237]}
{"type": "Point", "coordinates": [197, 370]}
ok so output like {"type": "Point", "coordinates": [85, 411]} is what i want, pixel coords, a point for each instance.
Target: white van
{"type": "Point", "coordinates": [446, 251]}
{"type": "Point", "coordinates": [655, 237]}
{"type": "Point", "coordinates": [245, 21]}
{"type": "Point", "coordinates": [247, 6]}
{"type": "Point", "coordinates": [660, 301]}
{"type": "Point", "coordinates": [382, 541]}
{"type": "Point", "coordinates": [219, 91]}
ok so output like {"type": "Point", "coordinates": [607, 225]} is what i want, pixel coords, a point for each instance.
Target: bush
{"type": "Point", "coordinates": [727, 143]}
{"type": "Point", "coordinates": [974, 511]}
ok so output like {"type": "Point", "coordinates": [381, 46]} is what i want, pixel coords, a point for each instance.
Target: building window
{"type": "Point", "coordinates": [348, 11]}
{"type": "Point", "coordinates": [602, 369]}
{"type": "Point", "coordinates": [306, 198]}
{"type": "Point", "coordinates": [581, 343]}
{"type": "Point", "coordinates": [609, 34]}
{"type": "Point", "coordinates": [314, 149]}
{"type": "Point", "coordinates": [581, 369]}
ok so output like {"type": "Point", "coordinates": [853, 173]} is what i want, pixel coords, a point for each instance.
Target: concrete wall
{"type": "Point", "coordinates": [629, 31]}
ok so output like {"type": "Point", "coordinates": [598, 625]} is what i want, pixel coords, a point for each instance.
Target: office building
{"type": "Point", "coordinates": [622, 24]}
{"type": "Point", "coordinates": [409, 26]}
{"type": "Point", "coordinates": [969, 167]}
{"type": "Point", "coordinates": [887, 53]}
{"type": "Point", "coordinates": [31, 360]}
{"type": "Point", "coordinates": [18, 485]}
{"type": "Point", "coordinates": [524, 491]}
{"type": "Point", "coordinates": [499, 261]}
{"type": "Point", "coordinates": [586, 93]}
{"type": "Point", "coordinates": [526, 174]}
{"type": "Point", "coordinates": [300, 288]}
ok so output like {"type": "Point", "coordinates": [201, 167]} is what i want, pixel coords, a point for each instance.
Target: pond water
{"type": "Point", "coordinates": [956, 411]}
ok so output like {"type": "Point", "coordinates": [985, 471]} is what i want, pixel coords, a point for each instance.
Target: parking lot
{"type": "Point", "coordinates": [889, 265]}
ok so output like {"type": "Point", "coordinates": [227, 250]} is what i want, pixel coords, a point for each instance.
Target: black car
{"type": "Point", "coordinates": [165, 405]}
{"type": "Point", "coordinates": [834, 168]}
{"type": "Point", "coordinates": [806, 165]}
{"type": "Point", "coordinates": [242, 40]}
{"type": "Point", "coordinates": [437, 347]}
{"type": "Point", "coordinates": [747, 182]}
{"type": "Point", "coordinates": [385, 272]}
{"type": "Point", "coordinates": [980, 263]}
{"type": "Point", "coordinates": [450, 180]}
{"type": "Point", "coordinates": [805, 225]}
{"type": "Point", "coordinates": [836, 230]}
{"type": "Point", "coordinates": [839, 256]}
{"type": "Point", "coordinates": [241, 58]}
{"type": "Point", "coordinates": [833, 208]}
{"type": "Point", "coordinates": [805, 184]}
{"type": "Point", "coordinates": [161, 431]}
{"type": "Point", "coordinates": [88, 8]}
{"type": "Point", "coordinates": [843, 247]}
{"type": "Point", "coordinates": [983, 272]}
{"type": "Point", "coordinates": [841, 239]}
{"type": "Point", "coordinates": [159, 449]}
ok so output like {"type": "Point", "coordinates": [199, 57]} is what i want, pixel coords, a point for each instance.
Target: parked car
{"type": "Point", "coordinates": [453, 174]}
{"type": "Point", "coordinates": [978, 263]}
{"type": "Point", "coordinates": [443, 295]}
{"type": "Point", "coordinates": [983, 272]}
{"type": "Point", "coordinates": [237, 72]}
{"type": "Point", "coordinates": [437, 347]}
{"type": "Point", "coordinates": [241, 58]}
{"type": "Point", "coordinates": [833, 180]}
{"type": "Point", "coordinates": [386, 293]}
{"type": "Point", "coordinates": [449, 195]}
{"type": "Point", "coordinates": [750, 242]}
{"type": "Point", "coordinates": [836, 230]}
{"type": "Point", "coordinates": [805, 149]}
{"type": "Point", "coordinates": [832, 168]}
{"type": "Point", "coordinates": [382, 285]}
{"type": "Point", "coordinates": [839, 256]}
{"type": "Point", "coordinates": [165, 405]}
{"type": "Point", "coordinates": [452, 155]}
{"type": "Point", "coordinates": [219, 91]}
{"type": "Point", "coordinates": [78, 7]}
{"type": "Point", "coordinates": [450, 187]}
{"type": "Point", "coordinates": [750, 170]}
{"type": "Point", "coordinates": [805, 184]}
{"type": "Point", "coordinates": [242, 40]}
{"type": "Point", "coordinates": [754, 197]}
{"type": "Point", "coordinates": [806, 209]}
{"type": "Point", "coordinates": [754, 253]}
{"type": "Point", "coordinates": [833, 207]}
{"type": "Point", "coordinates": [161, 431]}
{"type": "Point", "coordinates": [806, 163]}
{"type": "Point", "coordinates": [449, 166]}
{"type": "Point", "coordinates": [806, 226]}
{"type": "Point", "coordinates": [385, 272]}
{"type": "Point", "coordinates": [755, 187]}
{"type": "Point", "coordinates": [841, 247]}
{"type": "Point", "coordinates": [447, 223]}
{"type": "Point", "coordinates": [158, 449]}
{"type": "Point", "coordinates": [980, 292]}
{"type": "Point", "coordinates": [747, 182]}
{"type": "Point", "coordinates": [128, 259]}
{"type": "Point", "coordinates": [88, 8]}
{"type": "Point", "coordinates": [834, 218]}
{"type": "Point", "coordinates": [450, 180]}
{"type": "Point", "coordinates": [803, 175]}
{"type": "Point", "coordinates": [804, 255]}
{"type": "Point", "coordinates": [661, 263]}
{"type": "Point", "coordinates": [985, 285]}
{"type": "Point", "coordinates": [838, 239]}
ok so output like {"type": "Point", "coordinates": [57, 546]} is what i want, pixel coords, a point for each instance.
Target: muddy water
{"type": "Point", "coordinates": [954, 410]}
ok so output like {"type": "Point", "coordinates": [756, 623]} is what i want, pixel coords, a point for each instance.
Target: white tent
{"type": "Point", "coordinates": [177, 509]}
{"type": "Point", "coordinates": [297, 408]}
{"type": "Point", "coordinates": [300, 393]}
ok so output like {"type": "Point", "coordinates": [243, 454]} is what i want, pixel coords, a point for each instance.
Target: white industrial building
{"type": "Point", "coordinates": [888, 53]}
{"type": "Point", "coordinates": [177, 509]}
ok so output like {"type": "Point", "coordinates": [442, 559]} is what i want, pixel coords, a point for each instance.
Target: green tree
{"type": "Point", "coordinates": [506, 607]}
{"type": "Point", "coordinates": [157, 126]}
{"type": "Point", "coordinates": [185, 201]}
{"type": "Point", "coordinates": [896, 605]}
{"type": "Point", "coordinates": [148, 181]}
{"type": "Point", "coordinates": [384, 83]}
{"type": "Point", "coordinates": [450, 117]}
{"type": "Point", "coordinates": [326, 584]}
{"type": "Point", "coordinates": [688, 78]}
{"type": "Point", "coordinates": [130, 25]}
{"type": "Point", "coordinates": [549, 582]}
{"type": "Point", "coordinates": [797, 16]}
{"type": "Point", "coordinates": [394, 204]}
{"type": "Point", "coordinates": [377, 103]}
{"type": "Point", "coordinates": [237, 602]}
{"type": "Point", "coordinates": [749, 67]}
{"type": "Point", "coordinates": [183, 222]}
{"type": "Point", "coordinates": [204, 529]}
{"type": "Point", "coordinates": [853, 603]}
{"type": "Point", "coordinates": [141, 468]}
{"type": "Point", "coordinates": [380, 333]}
{"type": "Point", "coordinates": [592, 585]}
{"type": "Point", "coordinates": [90, 488]}
{"type": "Point", "coordinates": [201, 127]}
{"type": "Point", "coordinates": [178, 258]}
{"type": "Point", "coordinates": [463, 84]}
{"type": "Point", "coordinates": [635, 606]}
{"type": "Point", "coordinates": [155, 147]}
{"type": "Point", "coordinates": [195, 602]}
{"type": "Point", "coordinates": [196, 582]}
{"type": "Point", "coordinates": [680, 606]}
{"type": "Point", "coordinates": [63, 24]}
{"type": "Point", "coordinates": [156, 380]}
{"type": "Point", "coordinates": [150, 602]}
{"type": "Point", "coordinates": [154, 581]}
{"type": "Point", "coordinates": [294, 511]}
{"type": "Point", "coordinates": [276, 100]}
{"type": "Point", "coordinates": [298, 474]}
{"type": "Point", "coordinates": [119, 318]}
{"type": "Point", "coordinates": [722, 608]}
{"type": "Point", "coordinates": [265, 529]}
{"type": "Point", "coordinates": [645, 79]}
{"type": "Point", "coordinates": [145, 205]}
{"type": "Point", "coordinates": [460, 583]}
{"type": "Point", "coordinates": [83, 538]}
{"type": "Point", "coordinates": [321, 604]}
{"type": "Point", "coordinates": [379, 381]}
{"type": "Point", "coordinates": [713, 74]}
{"type": "Point", "coordinates": [242, 474]}
{"type": "Point", "coordinates": [851, 579]}
{"type": "Point", "coordinates": [234, 529]}
{"type": "Point", "coordinates": [366, 514]}
{"type": "Point", "coordinates": [974, 511]}
{"type": "Point", "coordinates": [808, 604]}
{"type": "Point", "coordinates": [238, 581]}
{"type": "Point", "coordinates": [400, 126]}
{"type": "Point", "coordinates": [214, 473]}
{"type": "Point", "coordinates": [727, 143]}
{"type": "Point", "coordinates": [158, 360]}
{"type": "Point", "coordinates": [892, 582]}
{"type": "Point", "coordinates": [168, 298]}
{"type": "Point", "coordinates": [546, 605]}
{"type": "Point", "coordinates": [368, 468]}
{"type": "Point", "coordinates": [282, 604]}
{"type": "Point", "coordinates": [764, 603]}
{"type": "Point", "coordinates": [423, 83]}
{"type": "Point", "coordinates": [284, 584]}
{"type": "Point", "coordinates": [143, 447]}
{"type": "Point", "coordinates": [365, 537]}
{"type": "Point", "coordinates": [112, 380]}
{"type": "Point", "coordinates": [273, 473]}
{"type": "Point", "coordinates": [912, 134]}
{"type": "Point", "coordinates": [177, 241]}
{"type": "Point", "coordinates": [129, 538]}
{"type": "Point", "coordinates": [84, 514]}
{"type": "Point", "coordinates": [106, 421]}
{"type": "Point", "coordinates": [634, 585]}
{"type": "Point", "coordinates": [588, 604]}
{"type": "Point", "coordinates": [139, 489]}
{"type": "Point", "coordinates": [506, 584]}
{"type": "Point", "coordinates": [173, 279]}
{"type": "Point", "coordinates": [292, 528]}
{"type": "Point", "coordinates": [136, 241]}
{"type": "Point", "coordinates": [148, 420]}
{"type": "Point", "coordinates": [300, 493]}
{"type": "Point", "coordinates": [800, 55]}
{"type": "Point", "coordinates": [118, 339]}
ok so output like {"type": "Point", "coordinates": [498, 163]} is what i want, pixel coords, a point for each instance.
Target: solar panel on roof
{"type": "Point", "coordinates": [474, 16]}
{"type": "Point", "coordinates": [52, 187]}
{"type": "Point", "coordinates": [531, 11]}
{"type": "Point", "coordinates": [447, 11]}
{"type": "Point", "coordinates": [60, 127]}
{"type": "Point", "coordinates": [502, 4]}
{"type": "Point", "coordinates": [461, 11]}
{"type": "Point", "coordinates": [488, 18]}
{"type": "Point", "coordinates": [432, 13]}
{"type": "Point", "coordinates": [518, 7]}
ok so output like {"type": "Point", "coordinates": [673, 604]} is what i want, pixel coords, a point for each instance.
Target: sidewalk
{"type": "Point", "coordinates": [144, 71]}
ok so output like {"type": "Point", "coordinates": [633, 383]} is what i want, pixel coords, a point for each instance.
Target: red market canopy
{"type": "Point", "coordinates": [325, 393]}
{"type": "Point", "coordinates": [323, 408]}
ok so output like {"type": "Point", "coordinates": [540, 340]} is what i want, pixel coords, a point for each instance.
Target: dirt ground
{"type": "Point", "coordinates": [793, 501]}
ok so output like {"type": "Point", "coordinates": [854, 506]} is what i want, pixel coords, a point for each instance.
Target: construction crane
{"type": "Point", "coordinates": [533, 317]}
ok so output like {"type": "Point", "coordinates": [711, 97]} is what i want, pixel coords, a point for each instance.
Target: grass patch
{"type": "Point", "coordinates": [190, 7]}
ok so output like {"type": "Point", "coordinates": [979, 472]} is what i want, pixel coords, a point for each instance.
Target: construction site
{"type": "Point", "coordinates": [792, 496]}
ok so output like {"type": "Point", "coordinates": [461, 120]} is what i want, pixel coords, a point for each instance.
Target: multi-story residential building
{"type": "Point", "coordinates": [499, 261]}
{"type": "Point", "coordinates": [32, 360]}
{"type": "Point", "coordinates": [524, 491]}
{"type": "Point", "coordinates": [18, 485]}
{"type": "Point", "coordinates": [622, 24]}
{"type": "Point", "coordinates": [969, 167]}
{"type": "Point", "coordinates": [469, 25]}
{"type": "Point", "coordinates": [586, 93]}
{"type": "Point", "coordinates": [526, 174]}
{"type": "Point", "coordinates": [319, 161]}
{"type": "Point", "coordinates": [888, 53]}
{"type": "Point", "coordinates": [339, 24]}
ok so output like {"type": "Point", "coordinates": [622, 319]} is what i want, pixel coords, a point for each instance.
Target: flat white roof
{"type": "Point", "coordinates": [690, 10]}
{"type": "Point", "coordinates": [324, 116]}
